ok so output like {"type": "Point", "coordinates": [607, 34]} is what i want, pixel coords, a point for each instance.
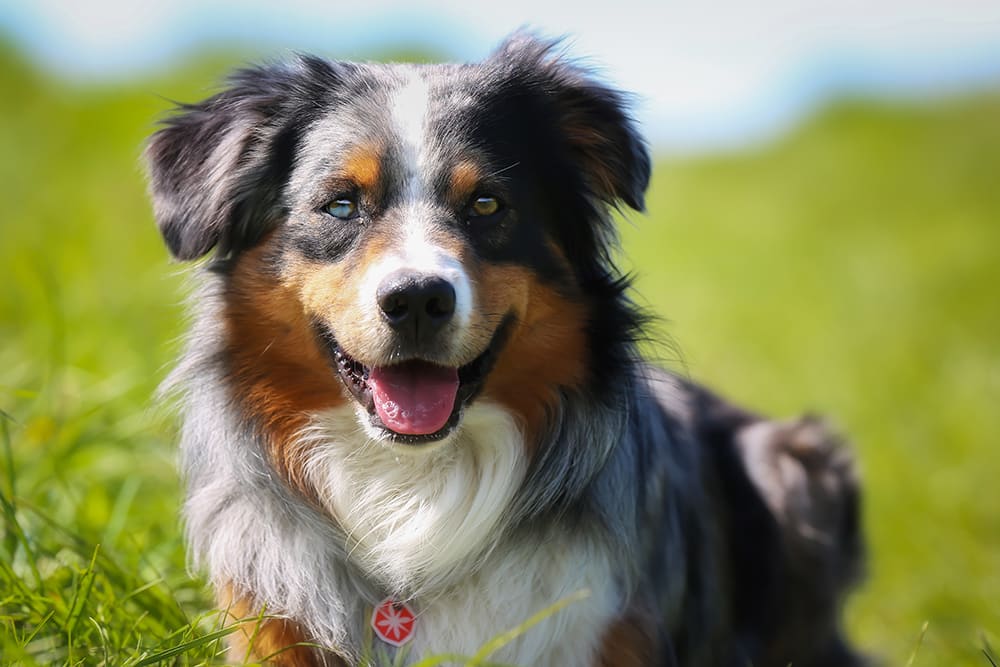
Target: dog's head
{"type": "Point", "coordinates": [406, 238]}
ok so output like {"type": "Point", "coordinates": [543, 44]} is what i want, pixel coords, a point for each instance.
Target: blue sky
{"type": "Point", "coordinates": [708, 75]}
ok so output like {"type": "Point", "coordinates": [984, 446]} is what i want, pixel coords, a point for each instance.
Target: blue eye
{"type": "Point", "coordinates": [343, 208]}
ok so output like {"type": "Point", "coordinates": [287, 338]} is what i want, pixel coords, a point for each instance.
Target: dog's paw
{"type": "Point", "coordinates": [806, 475]}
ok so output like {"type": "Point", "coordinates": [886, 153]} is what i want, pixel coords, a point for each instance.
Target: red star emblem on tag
{"type": "Point", "coordinates": [393, 622]}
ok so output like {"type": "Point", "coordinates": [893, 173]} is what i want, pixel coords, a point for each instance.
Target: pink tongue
{"type": "Point", "coordinates": [414, 398]}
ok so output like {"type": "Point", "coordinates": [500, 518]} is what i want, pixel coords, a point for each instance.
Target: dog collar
{"type": "Point", "coordinates": [393, 622]}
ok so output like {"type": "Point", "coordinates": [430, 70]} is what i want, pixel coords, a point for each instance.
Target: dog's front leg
{"type": "Point", "coordinates": [270, 640]}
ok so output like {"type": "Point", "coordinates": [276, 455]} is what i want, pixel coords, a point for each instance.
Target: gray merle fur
{"type": "Point", "coordinates": [717, 573]}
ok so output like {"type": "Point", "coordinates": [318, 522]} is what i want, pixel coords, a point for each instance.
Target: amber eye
{"type": "Point", "coordinates": [344, 208]}
{"type": "Point", "coordinates": [484, 206]}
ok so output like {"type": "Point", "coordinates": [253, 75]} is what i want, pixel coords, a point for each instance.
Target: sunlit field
{"type": "Point", "coordinates": [852, 268]}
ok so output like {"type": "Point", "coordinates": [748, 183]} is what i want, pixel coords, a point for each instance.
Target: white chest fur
{"type": "Point", "coordinates": [513, 584]}
{"type": "Point", "coordinates": [415, 518]}
{"type": "Point", "coordinates": [427, 522]}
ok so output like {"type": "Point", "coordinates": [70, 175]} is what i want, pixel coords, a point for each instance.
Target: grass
{"type": "Point", "coordinates": [852, 268]}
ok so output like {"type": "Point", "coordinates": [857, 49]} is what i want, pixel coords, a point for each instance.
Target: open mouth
{"type": "Point", "coordinates": [415, 401]}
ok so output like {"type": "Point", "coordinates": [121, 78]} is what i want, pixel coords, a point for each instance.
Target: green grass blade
{"type": "Point", "coordinates": [988, 652]}
{"type": "Point", "coordinates": [184, 647]}
{"type": "Point", "coordinates": [38, 628]}
{"type": "Point", "coordinates": [20, 537]}
{"type": "Point", "coordinates": [920, 641]}
{"type": "Point", "coordinates": [503, 639]}
{"type": "Point", "coordinates": [81, 596]}
{"type": "Point", "coordinates": [8, 453]}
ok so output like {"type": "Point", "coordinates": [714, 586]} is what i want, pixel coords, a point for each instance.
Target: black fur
{"type": "Point", "coordinates": [717, 549]}
{"type": "Point", "coordinates": [217, 168]}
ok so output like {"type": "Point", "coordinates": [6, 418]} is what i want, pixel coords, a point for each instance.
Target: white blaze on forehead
{"type": "Point", "coordinates": [416, 252]}
{"type": "Point", "coordinates": [409, 118]}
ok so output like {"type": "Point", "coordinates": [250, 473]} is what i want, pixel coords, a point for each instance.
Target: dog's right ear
{"type": "Point", "coordinates": [217, 168]}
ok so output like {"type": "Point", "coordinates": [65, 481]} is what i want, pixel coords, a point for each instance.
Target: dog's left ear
{"type": "Point", "coordinates": [600, 134]}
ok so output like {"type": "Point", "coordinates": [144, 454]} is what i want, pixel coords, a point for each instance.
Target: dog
{"type": "Point", "coordinates": [413, 412]}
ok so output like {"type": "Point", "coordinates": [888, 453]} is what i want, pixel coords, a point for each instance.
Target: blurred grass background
{"type": "Point", "coordinates": [852, 268]}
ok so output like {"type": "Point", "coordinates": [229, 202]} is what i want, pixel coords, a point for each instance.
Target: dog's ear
{"type": "Point", "coordinates": [217, 168]}
{"type": "Point", "coordinates": [601, 135]}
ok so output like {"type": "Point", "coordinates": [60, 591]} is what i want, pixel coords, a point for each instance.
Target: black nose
{"type": "Point", "coordinates": [416, 305]}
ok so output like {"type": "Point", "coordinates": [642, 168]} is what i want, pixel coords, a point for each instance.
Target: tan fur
{"type": "Point", "coordinates": [273, 639]}
{"type": "Point", "coordinates": [364, 166]}
{"type": "Point", "coordinates": [329, 291]}
{"type": "Point", "coordinates": [278, 369]}
{"type": "Point", "coordinates": [322, 288]}
{"type": "Point", "coordinates": [546, 350]}
{"type": "Point", "coordinates": [465, 178]}
{"type": "Point", "coordinates": [627, 643]}
{"type": "Point", "coordinates": [590, 141]}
